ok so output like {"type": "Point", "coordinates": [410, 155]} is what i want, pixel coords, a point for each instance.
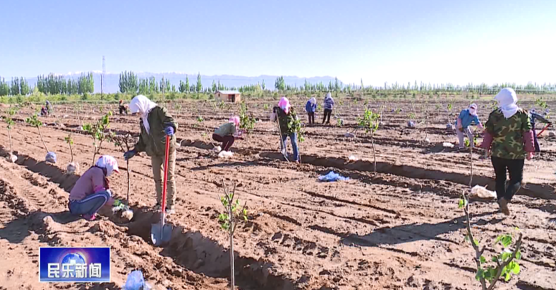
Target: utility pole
{"type": "Point", "coordinates": [102, 79]}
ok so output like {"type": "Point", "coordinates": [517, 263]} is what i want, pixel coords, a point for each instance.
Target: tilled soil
{"type": "Point", "coordinates": [397, 229]}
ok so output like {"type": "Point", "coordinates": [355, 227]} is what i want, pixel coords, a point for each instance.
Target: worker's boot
{"type": "Point", "coordinates": [503, 203]}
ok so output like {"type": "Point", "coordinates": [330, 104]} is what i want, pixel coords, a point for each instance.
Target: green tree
{"type": "Point", "coordinates": [214, 87]}
{"type": "Point", "coordinates": [280, 83]}
{"type": "Point", "coordinates": [187, 85]}
{"type": "Point", "coordinates": [24, 86]}
{"type": "Point", "coordinates": [199, 83]}
{"type": "Point", "coordinates": [263, 86]}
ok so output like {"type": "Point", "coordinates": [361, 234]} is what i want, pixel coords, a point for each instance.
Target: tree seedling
{"type": "Point", "coordinates": [97, 133]}
{"type": "Point", "coordinates": [500, 265]}
{"type": "Point", "coordinates": [73, 167]}
{"type": "Point", "coordinates": [246, 121]}
{"type": "Point", "coordinates": [125, 143]}
{"type": "Point", "coordinates": [229, 220]}
{"type": "Point", "coordinates": [369, 122]}
{"type": "Point", "coordinates": [35, 122]}
{"type": "Point", "coordinates": [10, 124]}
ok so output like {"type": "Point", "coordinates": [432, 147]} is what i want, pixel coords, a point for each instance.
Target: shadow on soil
{"type": "Point", "coordinates": [533, 190]}
{"type": "Point", "coordinates": [191, 250]}
{"type": "Point", "coordinates": [413, 232]}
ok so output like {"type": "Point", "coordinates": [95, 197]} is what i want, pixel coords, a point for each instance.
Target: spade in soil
{"type": "Point", "coordinates": [161, 232]}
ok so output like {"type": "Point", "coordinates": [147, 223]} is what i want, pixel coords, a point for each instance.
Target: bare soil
{"type": "Point", "coordinates": [397, 229]}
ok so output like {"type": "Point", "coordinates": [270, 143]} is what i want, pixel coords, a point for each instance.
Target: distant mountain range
{"type": "Point", "coordinates": [111, 80]}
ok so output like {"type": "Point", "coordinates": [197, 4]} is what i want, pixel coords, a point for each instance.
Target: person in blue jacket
{"type": "Point", "coordinates": [534, 117]}
{"type": "Point", "coordinates": [311, 107]}
{"type": "Point", "coordinates": [466, 118]}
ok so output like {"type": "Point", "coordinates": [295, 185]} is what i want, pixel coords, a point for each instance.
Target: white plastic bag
{"type": "Point", "coordinates": [482, 192]}
{"type": "Point", "coordinates": [447, 145]}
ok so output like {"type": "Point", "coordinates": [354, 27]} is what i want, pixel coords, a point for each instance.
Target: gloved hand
{"type": "Point", "coordinates": [129, 154]}
{"type": "Point", "coordinates": [169, 130]}
{"type": "Point", "coordinates": [460, 129]}
{"type": "Point", "coordinates": [118, 205]}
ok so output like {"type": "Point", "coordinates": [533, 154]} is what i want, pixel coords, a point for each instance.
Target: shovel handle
{"type": "Point", "coordinates": [166, 157]}
{"type": "Point", "coordinates": [545, 127]}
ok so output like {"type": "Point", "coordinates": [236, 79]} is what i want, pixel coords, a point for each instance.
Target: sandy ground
{"type": "Point", "coordinates": [397, 229]}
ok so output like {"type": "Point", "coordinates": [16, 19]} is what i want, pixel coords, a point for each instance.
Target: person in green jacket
{"type": "Point", "coordinates": [227, 133]}
{"type": "Point", "coordinates": [156, 123]}
{"type": "Point", "coordinates": [286, 116]}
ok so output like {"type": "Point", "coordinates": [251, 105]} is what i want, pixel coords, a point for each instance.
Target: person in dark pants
{"type": "Point", "coordinates": [534, 117]}
{"type": "Point", "coordinates": [91, 191]}
{"type": "Point", "coordinates": [226, 133]}
{"type": "Point", "coordinates": [509, 137]}
{"type": "Point", "coordinates": [122, 107]}
{"type": "Point", "coordinates": [328, 106]}
{"type": "Point", "coordinates": [286, 116]}
{"type": "Point", "coordinates": [311, 107]}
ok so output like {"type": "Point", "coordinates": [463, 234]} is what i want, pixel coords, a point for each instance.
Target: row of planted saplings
{"type": "Point", "coordinates": [97, 130]}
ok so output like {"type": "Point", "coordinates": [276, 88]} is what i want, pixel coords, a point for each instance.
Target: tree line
{"type": "Point", "coordinates": [129, 82]}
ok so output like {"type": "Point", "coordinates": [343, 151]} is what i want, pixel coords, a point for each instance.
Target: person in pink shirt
{"type": "Point", "coordinates": [92, 191]}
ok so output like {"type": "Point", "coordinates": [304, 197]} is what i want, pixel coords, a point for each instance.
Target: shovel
{"type": "Point", "coordinates": [160, 232]}
{"type": "Point", "coordinates": [284, 150]}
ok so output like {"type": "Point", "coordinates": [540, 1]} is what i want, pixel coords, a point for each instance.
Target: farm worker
{"type": "Point", "coordinates": [44, 112]}
{"type": "Point", "coordinates": [92, 191]}
{"type": "Point", "coordinates": [156, 123]}
{"type": "Point", "coordinates": [122, 107]}
{"type": "Point", "coordinates": [466, 118]}
{"type": "Point", "coordinates": [328, 106]}
{"type": "Point", "coordinates": [286, 116]}
{"type": "Point", "coordinates": [226, 133]}
{"type": "Point", "coordinates": [311, 107]}
{"type": "Point", "coordinates": [509, 137]}
{"type": "Point", "coordinates": [534, 117]}
{"type": "Point", "coordinates": [48, 107]}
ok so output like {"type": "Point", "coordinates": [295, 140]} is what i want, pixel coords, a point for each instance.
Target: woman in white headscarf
{"type": "Point", "coordinates": [466, 118]}
{"type": "Point", "coordinates": [92, 191]}
{"type": "Point", "coordinates": [509, 138]}
{"type": "Point", "coordinates": [311, 107]}
{"type": "Point", "coordinates": [156, 123]}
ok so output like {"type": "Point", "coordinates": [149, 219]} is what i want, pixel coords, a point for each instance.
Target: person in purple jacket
{"type": "Point", "coordinates": [92, 190]}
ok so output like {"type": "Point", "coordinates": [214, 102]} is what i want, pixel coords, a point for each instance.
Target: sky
{"type": "Point", "coordinates": [434, 41]}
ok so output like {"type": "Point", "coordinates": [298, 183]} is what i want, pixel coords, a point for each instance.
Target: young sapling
{"type": "Point", "coordinates": [229, 220]}
{"type": "Point", "coordinates": [35, 122]}
{"type": "Point", "coordinates": [125, 143]}
{"type": "Point", "coordinates": [369, 122]}
{"type": "Point", "coordinates": [73, 167]}
{"type": "Point", "coordinates": [97, 133]}
{"type": "Point", "coordinates": [10, 124]}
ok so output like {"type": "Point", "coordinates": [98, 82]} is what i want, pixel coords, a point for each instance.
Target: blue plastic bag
{"type": "Point", "coordinates": [135, 281]}
{"type": "Point", "coordinates": [332, 176]}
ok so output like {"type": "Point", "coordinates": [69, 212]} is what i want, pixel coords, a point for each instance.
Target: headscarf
{"type": "Point", "coordinates": [328, 96]}
{"type": "Point", "coordinates": [284, 104]}
{"type": "Point", "coordinates": [142, 105]}
{"type": "Point", "coordinates": [235, 120]}
{"type": "Point", "coordinates": [109, 163]}
{"type": "Point", "coordinates": [473, 109]}
{"type": "Point", "coordinates": [507, 100]}
{"type": "Point", "coordinates": [313, 101]}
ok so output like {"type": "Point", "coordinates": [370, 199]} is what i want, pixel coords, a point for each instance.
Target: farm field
{"type": "Point", "coordinates": [397, 229]}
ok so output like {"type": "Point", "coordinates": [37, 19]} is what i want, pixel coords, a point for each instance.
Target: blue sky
{"type": "Point", "coordinates": [431, 41]}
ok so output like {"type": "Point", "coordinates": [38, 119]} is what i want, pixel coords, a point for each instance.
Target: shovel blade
{"type": "Point", "coordinates": [161, 234]}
